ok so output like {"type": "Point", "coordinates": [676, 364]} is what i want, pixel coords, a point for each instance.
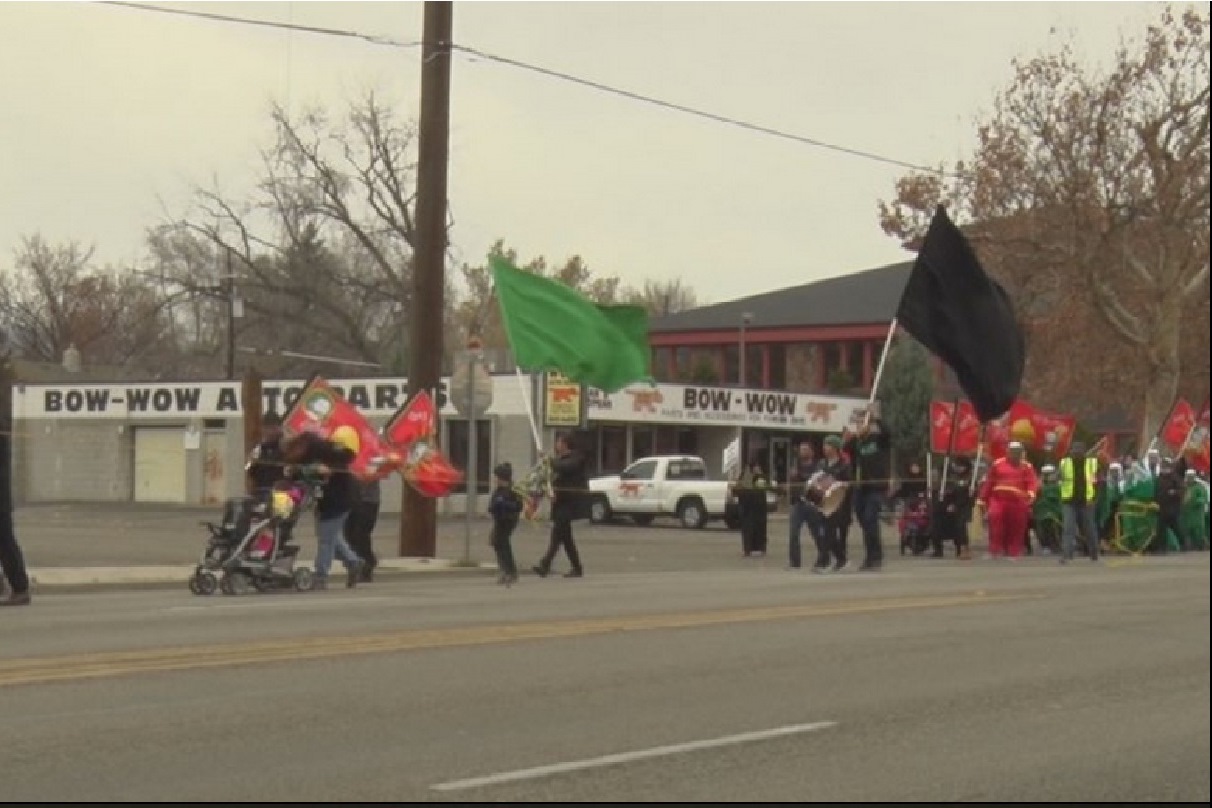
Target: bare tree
{"type": "Point", "coordinates": [662, 298]}
{"type": "Point", "coordinates": [477, 310]}
{"type": "Point", "coordinates": [321, 253]}
{"type": "Point", "coordinates": [1089, 191]}
{"type": "Point", "coordinates": [54, 298]}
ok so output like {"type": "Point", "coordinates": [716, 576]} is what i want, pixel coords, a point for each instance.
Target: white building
{"type": "Point", "coordinates": [184, 443]}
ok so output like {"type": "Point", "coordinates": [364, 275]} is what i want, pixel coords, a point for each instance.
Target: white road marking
{"type": "Point", "coordinates": [631, 757]}
{"type": "Point", "coordinates": [264, 604]}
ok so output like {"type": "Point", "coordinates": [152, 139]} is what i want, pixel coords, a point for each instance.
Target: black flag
{"type": "Point", "coordinates": [965, 318]}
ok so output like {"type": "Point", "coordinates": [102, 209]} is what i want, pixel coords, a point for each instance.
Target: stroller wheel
{"type": "Point", "coordinates": [193, 585]}
{"type": "Point", "coordinates": [303, 579]}
{"type": "Point", "coordinates": [235, 583]}
{"type": "Point", "coordinates": [205, 582]}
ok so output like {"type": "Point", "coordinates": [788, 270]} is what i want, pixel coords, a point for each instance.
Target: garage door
{"type": "Point", "coordinates": [159, 464]}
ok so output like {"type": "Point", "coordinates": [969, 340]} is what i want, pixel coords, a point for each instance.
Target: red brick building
{"type": "Point", "coordinates": [822, 337]}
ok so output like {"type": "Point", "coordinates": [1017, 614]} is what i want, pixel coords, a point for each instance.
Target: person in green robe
{"type": "Point", "coordinates": [1193, 518]}
{"type": "Point", "coordinates": [1137, 515]}
{"type": "Point", "coordinates": [1046, 516]}
{"type": "Point", "coordinates": [1110, 494]}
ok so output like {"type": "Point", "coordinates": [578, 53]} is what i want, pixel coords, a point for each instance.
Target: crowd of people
{"type": "Point", "coordinates": [1082, 503]}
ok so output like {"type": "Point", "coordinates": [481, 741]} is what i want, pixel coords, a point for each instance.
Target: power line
{"type": "Point", "coordinates": [711, 116]}
{"type": "Point", "coordinates": [285, 26]}
{"type": "Point", "coordinates": [550, 73]}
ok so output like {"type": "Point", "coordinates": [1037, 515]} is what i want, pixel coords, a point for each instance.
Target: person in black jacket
{"type": "Point", "coordinates": [312, 457]}
{"type": "Point", "coordinates": [266, 467]}
{"type": "Point", "coordinates": [360, 527]}
{"type": "Point", "coordinates": [505, 506]}
{"type": "Point", "coordinates": [12, 562]}
{"type": "Point", "coordinates": [1169, 498]}
{"type": "Point", "coordinates": [569, 484]}
{"type": "Point", "coordinates": [870, 455]}
{"type": "Point", "coordinates": [831, 544]}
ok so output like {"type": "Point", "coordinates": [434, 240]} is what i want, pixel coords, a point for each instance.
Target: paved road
{"type": "Point", "coordinates": [928, 682]}
{"type": "Point", "coordinates": [105, 536]}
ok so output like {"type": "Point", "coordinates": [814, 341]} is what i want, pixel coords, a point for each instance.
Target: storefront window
{"type": "Point", "coordinates": [854, 363]}
{"type": "Point", "coordinates": [778, 367]}
{"type": "Point", "coordinates": [643, 442]}
{"type": "Point", "coordinates": [754, 355]}
{"type": "Point", "coordinates": [732, 365]}
{"type": "Point", "coordinates": [613, 445]}
{"type": "Point", "coordinates": [457, 451]}
{"type": "Point", "coordinates": [662, 364]}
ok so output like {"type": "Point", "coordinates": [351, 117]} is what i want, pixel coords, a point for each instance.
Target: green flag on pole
{"type": "Point", "coordinates": [552, 327]}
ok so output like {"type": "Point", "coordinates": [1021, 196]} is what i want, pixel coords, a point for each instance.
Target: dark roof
{"type": "Point", "coordinates": [861, 298]}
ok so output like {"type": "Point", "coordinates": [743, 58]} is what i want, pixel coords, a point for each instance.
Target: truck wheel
{"type": "Point", "coordinates": [692, 513]}
{"type": "Point", "coordinates": [642, 519]}
{"type": "Point", "coordinates": [599, 510]}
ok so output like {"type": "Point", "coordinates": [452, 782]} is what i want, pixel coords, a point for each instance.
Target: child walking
{"type": "Point", "coordinates": [505, 507]}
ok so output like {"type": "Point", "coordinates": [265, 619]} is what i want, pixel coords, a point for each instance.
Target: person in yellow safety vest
{"type": "Point", "coordinates": [1078, 474]}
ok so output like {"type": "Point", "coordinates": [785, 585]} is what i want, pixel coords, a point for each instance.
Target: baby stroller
{"type": "Point", "coordinates": [914, 525]}
{"type": "Point", "coordinates": [251, 548]}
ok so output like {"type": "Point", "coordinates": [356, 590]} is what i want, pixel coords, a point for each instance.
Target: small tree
{"type": "Point", "coordinates": [905, 392]}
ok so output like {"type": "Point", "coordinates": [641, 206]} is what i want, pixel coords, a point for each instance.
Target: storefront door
{"type": "Point", "coordinates": [780, 457]}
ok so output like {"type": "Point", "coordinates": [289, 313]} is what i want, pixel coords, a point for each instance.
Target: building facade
{"type": "Point", "coordinates": [184, 443]}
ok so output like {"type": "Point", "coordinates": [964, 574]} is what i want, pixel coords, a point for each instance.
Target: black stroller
{"type": "Point", "coordinates": [252, 547]}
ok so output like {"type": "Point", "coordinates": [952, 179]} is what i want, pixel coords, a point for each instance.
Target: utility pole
{"type": "Point", "coordinates": [419, 515]}
{"type": "Point", "coordinates": [251, 405]}
{"type": "Point", "coordinates": [231, 321]}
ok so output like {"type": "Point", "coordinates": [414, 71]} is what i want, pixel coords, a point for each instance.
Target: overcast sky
{"type": "Point", "coordinates": [105, 111]}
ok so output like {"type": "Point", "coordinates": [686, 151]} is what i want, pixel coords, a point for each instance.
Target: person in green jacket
{"type": "Point", "coordinates": [1046, 513]}
{"type": "Point", "coordinates": [1193, 518]}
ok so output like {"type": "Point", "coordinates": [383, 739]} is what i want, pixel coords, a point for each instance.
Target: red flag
{"type": "Point", "coordinates": [1197, 448]}
{"type": "Point", "coordinates": [1035, 429]}
{"type": "Point", "coordinates": [967, 428]}
{"type": "Point", "coordinates": [323, 410]}
{"type": "Point", "coordinates": [1178, 425]}
{"type": "Point", "coordinates": [412, 431]}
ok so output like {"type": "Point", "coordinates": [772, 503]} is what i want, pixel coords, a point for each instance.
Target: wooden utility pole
{"type": "Point", "coordinates": [251, 406]}
{"type": "Point", "coordinates": [418, 518]}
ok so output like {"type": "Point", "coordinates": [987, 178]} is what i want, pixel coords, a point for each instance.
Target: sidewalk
{"type": "Point", "coordinates": [52, 579]}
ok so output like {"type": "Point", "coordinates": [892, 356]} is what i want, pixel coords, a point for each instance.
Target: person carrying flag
{"type": "Point", "coordinates": [1007, 497]}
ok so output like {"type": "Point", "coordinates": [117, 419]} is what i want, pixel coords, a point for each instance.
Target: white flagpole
{"type": "Point", "coordinates": [524, 383]}
{"type": "Point", "coordinates": [879, 369]}
{"type": "Point", "coordinates": [976, 464]}
{"type": "Point", "coordinates": [930, 475]}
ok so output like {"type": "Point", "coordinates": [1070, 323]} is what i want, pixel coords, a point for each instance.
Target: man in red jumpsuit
{"type": "Point", "coordinates": [1007, 496]}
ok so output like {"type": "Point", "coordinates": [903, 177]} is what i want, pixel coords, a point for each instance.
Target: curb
{"type": "Point", "coordinates": [181, 582]}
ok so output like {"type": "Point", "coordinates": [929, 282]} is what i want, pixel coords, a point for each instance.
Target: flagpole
{"type": "Point", "coordinates": [955, 411]}
{"type": "Point", "coordinates": [976, 464]}
{"type": "Point", "coordinates": [879, 371]}
{"type": "Point", "coordinates": [524, 383]}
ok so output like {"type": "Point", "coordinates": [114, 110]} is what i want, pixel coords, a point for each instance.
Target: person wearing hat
{"type": "Point", "coordinates": [870, 452]}
{"type": "Point", "coordinates": [265, 467]}
{"type": "Point", "coordinates": [1048, 513]}
{"type": "Point", "coordinates": [1110, 494]}
{"type": "Point", "coordinates": [1006, 497]}
{"type": "Point", "coordinates": [505, 506]}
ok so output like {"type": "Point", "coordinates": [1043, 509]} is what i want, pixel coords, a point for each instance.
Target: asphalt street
{"type": "Point", "coordinates": [106, 536]}
{"type": "Point", "coordinates": [945, 681]}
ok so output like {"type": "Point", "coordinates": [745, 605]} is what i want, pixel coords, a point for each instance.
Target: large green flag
{"type": "Point", "coordinates": [552, 327]}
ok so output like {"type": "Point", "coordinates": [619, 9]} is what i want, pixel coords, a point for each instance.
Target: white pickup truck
{"type": "Point", "coordinates": [670, 485]}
